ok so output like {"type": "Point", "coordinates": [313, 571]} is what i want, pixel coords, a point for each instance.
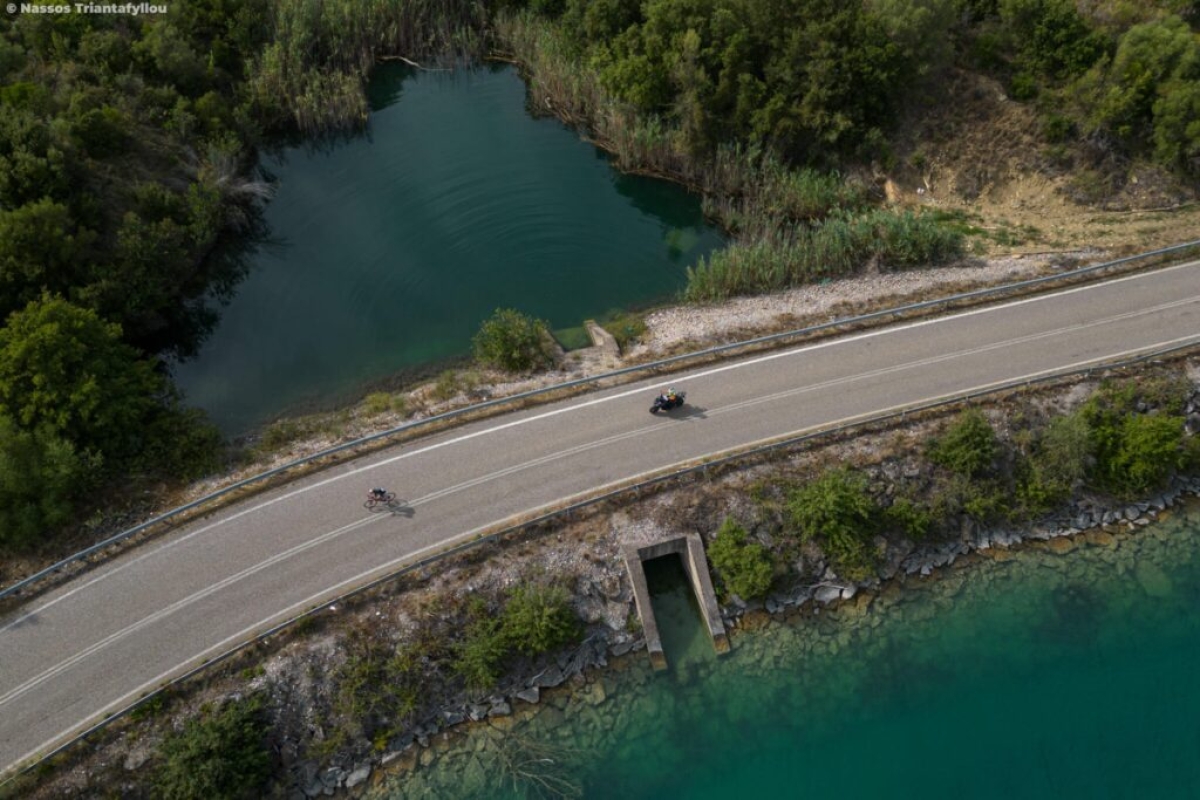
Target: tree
{"type": "Point", "coordinates": [220, 756]}
{"type": "Point", "coordinates": [1177, 125]}
{"type": "Point", "coordinates": [40, 473]}
{"type": "Point", "coordinates": [64, 369]}
{"type": "Point", "coordinates": [1052, 37]}
{"type": "Point", "coordinates": [1154, 57]}
{"type": "Point", "coordinates": [512, 341]}
{"type": "Point", "coordinates": [32, 164]}
{"type": "Point", "coordinates": [41, 248]}
{"type": "Point", "coordinates": [920, 30]}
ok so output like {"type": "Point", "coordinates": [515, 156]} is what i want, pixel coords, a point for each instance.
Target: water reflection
{"type": "Point", "coordinates": [391, 245]}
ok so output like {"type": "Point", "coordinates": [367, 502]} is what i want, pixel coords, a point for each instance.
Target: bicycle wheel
{"type": "Point", "coordinates": [391, 498]}
{"type": "Point", "coordinates": [371, 503]}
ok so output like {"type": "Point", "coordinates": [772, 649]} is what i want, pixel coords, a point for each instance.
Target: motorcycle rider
{"type": "Point", "coordinates": [668, 398]}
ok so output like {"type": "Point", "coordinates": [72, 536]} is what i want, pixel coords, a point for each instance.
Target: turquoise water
{"type": "Point", "coordinates": [389, 249]}
{"type": "Point", "coordinates": [1043, 676]}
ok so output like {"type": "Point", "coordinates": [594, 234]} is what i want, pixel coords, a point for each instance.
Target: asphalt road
{"type": "Point", "coordinates": [97, 643]}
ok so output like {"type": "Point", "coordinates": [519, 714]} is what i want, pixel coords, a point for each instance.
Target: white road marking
{"type": "Point", "coordinates": [413, 556]}
{"type": "Point", "coordinates": [577, 406]}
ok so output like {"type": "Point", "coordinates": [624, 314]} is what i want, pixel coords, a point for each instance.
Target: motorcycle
{"type": "Point", "coordinates": [664, 403]}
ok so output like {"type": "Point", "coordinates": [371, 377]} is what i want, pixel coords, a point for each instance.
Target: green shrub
{"type": "Point", "coordinates": [1051, 36]}
{"type": "Point", "coordinates": [182, 442]}
{"type": "Point", "coordinates": [538, 619]}
{"type": "Point", "coordinates": [377, 403]}
{"type": "Point", "coordinates": [280, 434]}
{"type": "Point", "coordinates": [980, 499]}
{"type": "Point", "coordinates": [1134, 452]}
{"type": "Point", "coordinates": [912, 519]}
{"type": "Point", "coordinates": [1148, 94]}
{"type": "Point", "coordinates": [1057, 465]}
{"type": "Point", "coordinates": [626, 329]}
{"type": "Point", "coordinates": [968, 447]}
{"type": "Point", "coordinates": [512, 341]}
{"type": "Point", "coordinates": [101, 132]}
{"type": "Point", "coordinates": [1058, 128]}
{"type": "Point", "coordinates": [745, 567]}
{"type": "Point", "coordinates": [836, 511]}
{"type": "Point", "coordinates": [477, 658]}
{"type": "Point", "coordinates": [1150, 450]}
{"type": "Point", "coordinates": [221, 755]}
{"type": "Point", "coordinates": [41, 474]}
{"type": "Point", "coordinates": [533, 619]}
{"type": "Point", "coordinates": [1023, 87]}
{"type": "Point", "coordinates": [446, 386]}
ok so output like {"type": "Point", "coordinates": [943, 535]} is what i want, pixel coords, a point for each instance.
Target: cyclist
{"type": "Point", "coordinates": [379, 494]}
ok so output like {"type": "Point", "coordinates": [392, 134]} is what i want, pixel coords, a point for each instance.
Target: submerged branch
{"type": "Point", "coordinates": [412, 63]}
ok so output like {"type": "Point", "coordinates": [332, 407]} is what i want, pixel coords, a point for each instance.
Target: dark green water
{"type": "Point", "coordinates": [394, 246]}
{"type": "Point", "coordinates": [685, 641]}
{"type": "Point", "coordinates": [1044, 676]}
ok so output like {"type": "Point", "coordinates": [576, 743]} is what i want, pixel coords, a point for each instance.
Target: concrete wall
{"type": "Point", "coordinates": [691, 551]}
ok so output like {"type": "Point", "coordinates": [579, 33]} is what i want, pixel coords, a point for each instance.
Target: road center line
{"type": "Point", "coordinates": [578, 406]}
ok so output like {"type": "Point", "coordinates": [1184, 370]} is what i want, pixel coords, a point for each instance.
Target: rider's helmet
{"type": "Point", "coordinates": [670, 391]}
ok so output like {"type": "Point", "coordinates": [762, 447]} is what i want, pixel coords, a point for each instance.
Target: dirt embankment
{"type": "Point", "coordinates": [987, 159]}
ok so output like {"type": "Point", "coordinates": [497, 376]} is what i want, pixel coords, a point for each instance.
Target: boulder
{"type": "Point", "coordinates": [1152, 579]}
{"type": "Point", "coordinates": [333, 776]}
{"type": "Point", "coordinates": [360, 774]}
{"type": "Point", "coordinates": [827, 594]}
{"type": "Point", "coordinates": [551, 677]}
{"type": "Point", "coordinates": [1062, 545]}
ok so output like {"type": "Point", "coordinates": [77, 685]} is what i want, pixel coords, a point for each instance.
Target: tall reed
{"type": "Point", "coordinates": [836, 247]}
{"type": "Point", "coordinates": [313, 73]}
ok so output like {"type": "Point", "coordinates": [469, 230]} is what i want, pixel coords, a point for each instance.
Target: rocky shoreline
{"type": "Point", "coordinates": [296, 672]}
{"type": "Point", "coordinates": [578, 669]}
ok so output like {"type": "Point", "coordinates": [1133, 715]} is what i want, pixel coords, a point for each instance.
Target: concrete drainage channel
{"type": "Point", "coordinates": [634, 561]}
{"type": "Point", "coordinates": [691, 552]}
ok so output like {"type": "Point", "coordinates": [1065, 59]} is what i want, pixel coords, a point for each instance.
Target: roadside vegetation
{"type": "Point", "coordinates": [513, 342]}
{"type": "Point", "coordinates": [371, 683]}
{"type": "Point", "coordinates": [129, 193]}
{"type": "Point", "coordinates": [462, 645]}
{"type": "Point", "coordinates": [1125, 442]}
{"type": "Point", "coordinates": [222, 754]}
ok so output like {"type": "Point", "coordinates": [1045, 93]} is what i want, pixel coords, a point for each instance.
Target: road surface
{"type": "Point", "coordinates": [94, 645]}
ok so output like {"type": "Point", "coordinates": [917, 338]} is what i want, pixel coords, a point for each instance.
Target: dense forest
{"type": "Point", "coordinates": [128, 147]}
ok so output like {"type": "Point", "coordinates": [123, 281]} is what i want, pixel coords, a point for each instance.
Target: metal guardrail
{"type": "Point", "coordinates": [634, 488]}
{"type": "Point", "coordinates": [516, 398]}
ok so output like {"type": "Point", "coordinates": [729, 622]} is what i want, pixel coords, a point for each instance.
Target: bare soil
{"type": "Point", "coordinates": [982, 155]}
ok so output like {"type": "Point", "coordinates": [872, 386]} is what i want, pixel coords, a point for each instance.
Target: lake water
{"type": "Point", "coordinates": [1041, 675]}
{"type": "Point", "coordinates": [389, 249]}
